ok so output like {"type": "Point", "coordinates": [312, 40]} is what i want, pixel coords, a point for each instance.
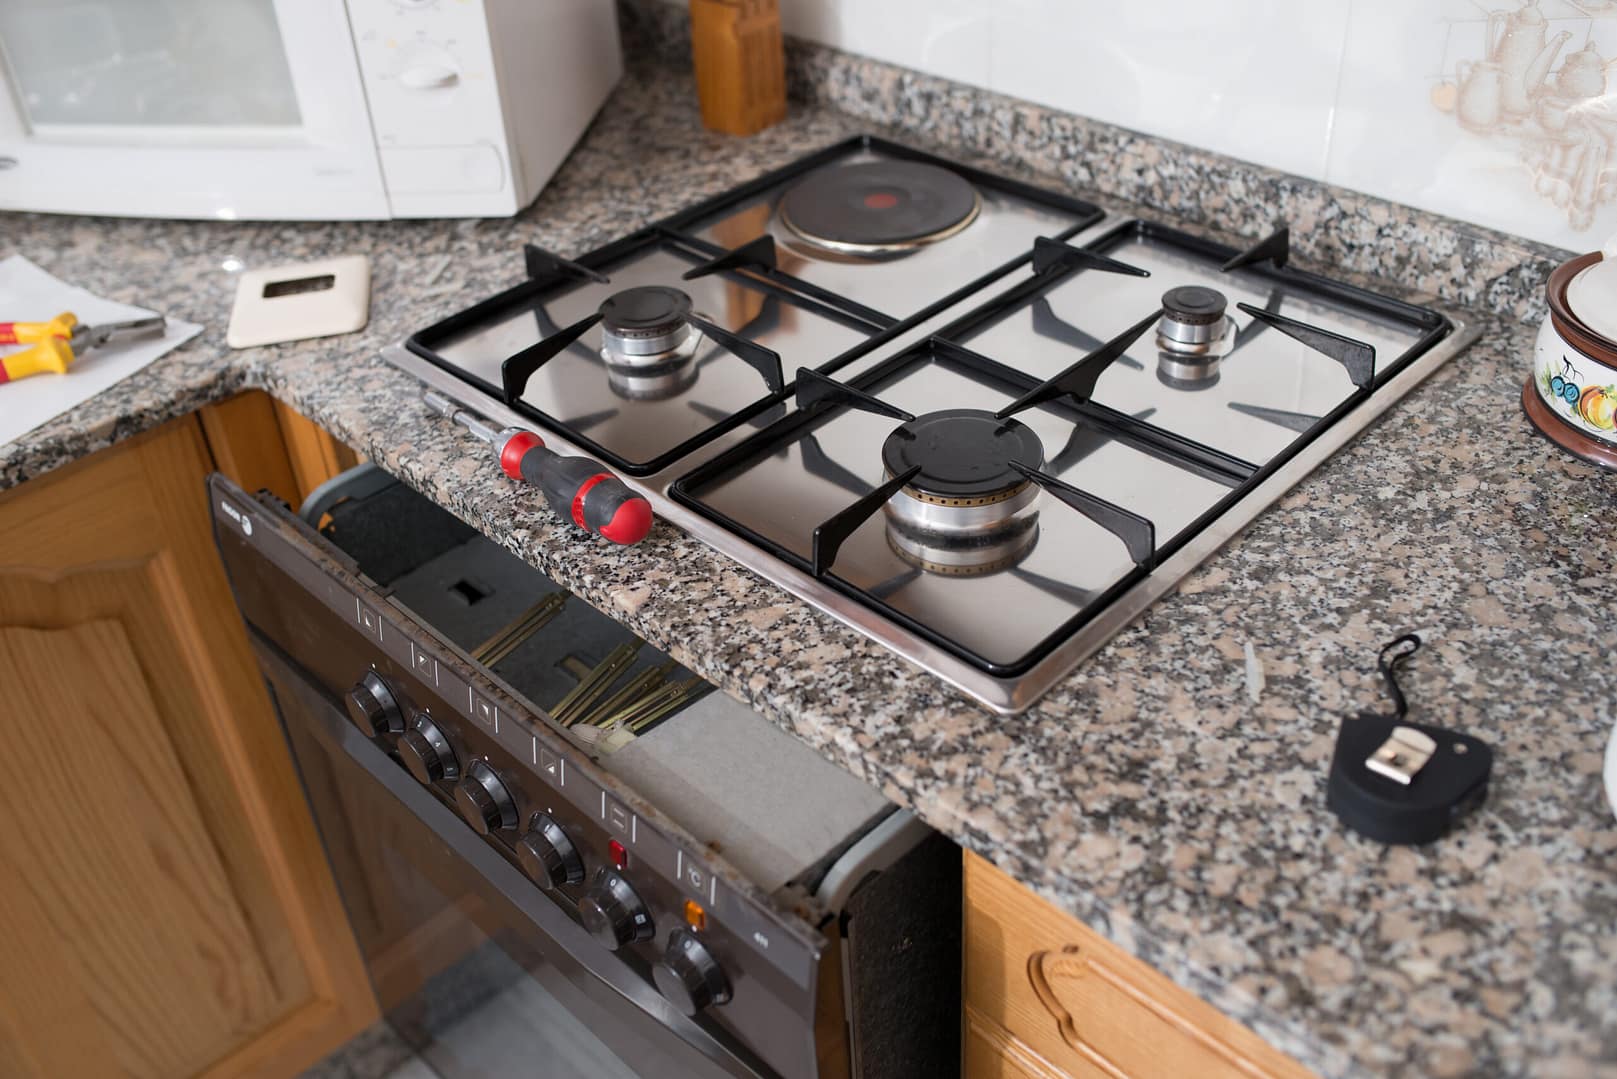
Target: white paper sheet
{"type": "Point", "coordinates": [29, 294]}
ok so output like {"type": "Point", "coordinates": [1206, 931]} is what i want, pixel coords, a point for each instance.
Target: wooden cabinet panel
{"type": "Point", "coordinates": [1047, 996]}
{"type": "Point", "coordinates": [247, 444]}
{"type": "Point", "coordinates": [992, 1052]}
{"type": "Point", "coordinates": [315, 455]}
{"type": "Point", "coordinates": [146, 909]}
{"type": "Point", "coordinates": [174, 911]}
{"type": "Point", "coordinates": [261, 443]}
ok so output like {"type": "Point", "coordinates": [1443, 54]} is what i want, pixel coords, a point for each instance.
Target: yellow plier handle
{"type": "Point", "coordinates": [53, 354]}
{"type": "Point", "coordinates": [52, 351]}
{"type": "Point", "coordinates": [12, 333]}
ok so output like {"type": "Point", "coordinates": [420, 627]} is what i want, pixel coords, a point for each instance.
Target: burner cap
{"type": "Point", "coordinates": [1194, 305]}
{"type": "Point", "coordinates": [644, 311]}
{"type": "Point", "coordinates": [875, 206]}
{"type": "Point", "coordinates": [965, 455]}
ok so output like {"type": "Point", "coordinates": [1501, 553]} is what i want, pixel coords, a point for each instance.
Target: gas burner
{"type": "Point", "coordinates": [648, 342]}
{"type": "Point", "coordinates": [966, 508]}
{"type": "Point", "coordinates": [962, 486]}
{"type": "Point", "coordinates": [879, 207]}
{"type": "Point", "coordinates": [649, 338]}
{"type": "Point", "coordinates": [1193, 337]}
{"type": "Point", "coordinates": [645, 320]}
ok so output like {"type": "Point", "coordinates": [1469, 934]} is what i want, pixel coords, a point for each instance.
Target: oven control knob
{"type": "Point", "coordinates": [613, 913]}
{"type": "Point", "coordinates": [483, 800]}
{"type": "Point", "coordinates": [548, 856]}
{"type": "Point", "coordinates": [373, 708]}
{"type": "Point", "coordinates": [689, 976]}
{"type": "Point", "coordinates": [426, 752]}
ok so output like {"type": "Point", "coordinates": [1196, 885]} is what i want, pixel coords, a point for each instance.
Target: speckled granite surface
{"type": "Point", "coordinates": [1146, 794]}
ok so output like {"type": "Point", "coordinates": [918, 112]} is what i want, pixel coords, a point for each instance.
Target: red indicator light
{"type": "Point", "coordinates": [620, 857]}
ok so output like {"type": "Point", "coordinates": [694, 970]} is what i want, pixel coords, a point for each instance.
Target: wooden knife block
{"type": "Point", "coordinates": [740, 64]}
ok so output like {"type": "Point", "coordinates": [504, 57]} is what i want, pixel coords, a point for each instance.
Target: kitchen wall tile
{"type": "Point", "coordinates": [941, 37]}
{"type": "Point", "coordinates": [1254, 79]}
{"type": "Point", "coordinates": [1411, 102]}
{"type": "Point", "coordinates": [1492, 111]}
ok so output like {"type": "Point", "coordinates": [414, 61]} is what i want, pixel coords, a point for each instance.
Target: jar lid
{"type": "Point", "coordinates": [1592, 294]}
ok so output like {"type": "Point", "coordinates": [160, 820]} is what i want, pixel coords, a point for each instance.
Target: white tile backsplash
{"type": "Point", "coordinates": [1492, 111]}
{"type": "Point", "coordinates": [941, 37]}
{"type": "Point", "coordinates": [1422, 117]}
{"type": "Point", "coordinates": [1250, 78]}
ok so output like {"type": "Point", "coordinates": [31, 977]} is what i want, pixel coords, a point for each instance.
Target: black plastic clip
{"type": "Point", "coordinates": [1400, 782]}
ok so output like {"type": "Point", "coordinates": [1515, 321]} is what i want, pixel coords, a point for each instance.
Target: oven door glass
{"type": "Point", "coordinates": [479, 972]}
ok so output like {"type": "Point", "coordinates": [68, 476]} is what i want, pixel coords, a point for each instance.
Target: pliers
{"type": "Point", "coordinates": [58, 342]}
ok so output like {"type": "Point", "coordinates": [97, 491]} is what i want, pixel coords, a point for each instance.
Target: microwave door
{"type": "Point", "coordinates": [185, 108]}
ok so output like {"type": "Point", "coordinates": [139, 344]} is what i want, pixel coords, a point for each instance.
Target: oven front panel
{"type": "Point", "coordinates": [444, 898]}
{"type": "Point", "coordinates": [477, 973]}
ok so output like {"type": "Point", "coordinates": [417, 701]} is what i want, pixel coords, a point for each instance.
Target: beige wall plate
{"type": "Point", "coordinates": [299, 301]}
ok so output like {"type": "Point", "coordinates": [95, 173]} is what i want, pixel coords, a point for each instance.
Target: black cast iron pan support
{"type": "Point", "coordinates": [1274, 248]}
{"type": "Point", "coordinates": [541, 263]}
{"type": "Point", "coordinates": [1138, 534]}
{"type": "Point", "coordinates": [1078, 381]}
{"type": "Point", "coordinates": [1357, 357]}
{"type": "Point", "coordinates": [766, 361]}
{"type": "Point", "coordinates": [516, 370]}
{"type": "Point", "coordinates": [1049, 254]}
{"type": "Point", "coordinates": [1046, 323]}
{"type": "Point", "coordinates": [756, 254]}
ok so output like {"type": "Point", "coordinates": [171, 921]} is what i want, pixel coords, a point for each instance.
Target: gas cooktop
{"type": "Point", "coordinates": [983, 423]}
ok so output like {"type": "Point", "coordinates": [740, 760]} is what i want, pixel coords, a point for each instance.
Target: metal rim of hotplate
{"type": "Point", "coordinates": [842, 247]}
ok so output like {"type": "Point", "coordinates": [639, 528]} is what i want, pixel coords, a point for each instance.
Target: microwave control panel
{"type": "Point", "coordinates": [474, 103]}
{"type": "Point", "coordinates": [434, 99]}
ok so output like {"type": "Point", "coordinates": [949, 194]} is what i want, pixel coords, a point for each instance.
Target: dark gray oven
{"type": "Point", "coordinates": [561, 853]}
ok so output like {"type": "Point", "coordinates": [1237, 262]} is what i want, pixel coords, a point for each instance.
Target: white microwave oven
{"type": "Point", "coordinates": [295, 109]}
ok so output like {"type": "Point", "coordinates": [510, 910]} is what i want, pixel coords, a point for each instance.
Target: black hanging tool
{"type": "Point", "coordinates": [1400, 782]}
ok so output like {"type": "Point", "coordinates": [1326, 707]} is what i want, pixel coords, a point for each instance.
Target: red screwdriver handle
{"type": "Point", "coordinates": [577, 487]}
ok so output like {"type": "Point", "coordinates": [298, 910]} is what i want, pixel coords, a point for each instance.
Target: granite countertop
{"type": "Point", "coordinates": [1147, 794]}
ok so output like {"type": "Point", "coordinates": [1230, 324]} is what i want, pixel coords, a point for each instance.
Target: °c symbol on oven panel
{"type": "Point", "coordinates": [695, 878]}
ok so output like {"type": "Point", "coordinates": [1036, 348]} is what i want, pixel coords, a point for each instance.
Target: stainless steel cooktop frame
{"type": "Point", "coordinates": [1006, 696]}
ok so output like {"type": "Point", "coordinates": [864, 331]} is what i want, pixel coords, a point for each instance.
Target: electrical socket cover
{"type": "Point", "coordinates": [300, 301]}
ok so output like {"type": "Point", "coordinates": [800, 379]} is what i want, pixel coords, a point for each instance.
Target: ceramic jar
{"type": "Point", "coordinates": [1572, 393]}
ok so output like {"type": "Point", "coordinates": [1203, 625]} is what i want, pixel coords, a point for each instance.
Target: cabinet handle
{"type": "Point", "coordinates": [1041, 967]}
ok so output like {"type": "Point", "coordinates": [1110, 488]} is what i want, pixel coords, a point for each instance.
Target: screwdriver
{"type": "Point", "coordinates": [576, 487]}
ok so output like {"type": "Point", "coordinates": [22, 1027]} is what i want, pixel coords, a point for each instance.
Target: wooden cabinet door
{"type": "Point", "coordinates": [167, 909]}
{"type": "Point", "coordinates": [1049, 998]}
